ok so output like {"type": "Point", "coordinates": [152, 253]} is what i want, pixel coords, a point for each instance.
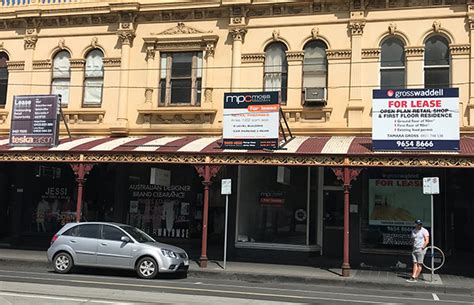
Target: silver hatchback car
{"type": "Point", "coordinates": [113, 245]}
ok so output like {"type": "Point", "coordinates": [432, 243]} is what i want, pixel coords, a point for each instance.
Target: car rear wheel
{"type": "Point", "coordinates": [147, 268]}
{"type": "Point", "coordinates": [62, 262]}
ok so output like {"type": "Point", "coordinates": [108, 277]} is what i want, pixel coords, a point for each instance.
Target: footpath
{"type": "Point", "coordinates": [253, 272]}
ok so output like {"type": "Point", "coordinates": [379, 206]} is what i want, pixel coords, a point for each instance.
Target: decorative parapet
{"type": "Point", "coordinates": [308, 115]}
{"type": "Point", "coordinates": [16, 65]}
{"type": "Point", "coordinates": [371, 53]}
{"type": "Point", "coordinates": [178, 115]}
{"type": "Point", "coordinates": [294, 55]}
{"type": "Point", "coordinates": [414, 51]}
{"type": "Point", "coordinates": [77, 63]}
{"type": "Point", "coordinates": [460, 49]}
{"type": "Point", "coordinates": [84, 116]}
{"type": "Point", "coordinates": [253, 58]}
{"type": "Point", "coordinates": [338, 54]}
{"type": "Point", "coordinates": [3, 116]}
{"type": "Point", "coordinates": [112, 61]}
{"type": "Point", "coordinates": [45, 64]}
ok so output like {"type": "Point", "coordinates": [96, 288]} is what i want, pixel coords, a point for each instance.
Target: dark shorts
{"type": "Point", "coordinates": [418, 255]}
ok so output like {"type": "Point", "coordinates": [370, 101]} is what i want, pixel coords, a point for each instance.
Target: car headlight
{"type": "Point", "coordinates": [169, 253]}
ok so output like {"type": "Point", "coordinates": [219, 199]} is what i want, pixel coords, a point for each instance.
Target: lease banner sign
{"type": "Point", "coordinates": [415, 119]}
{"type": "Point", "coordinates": [35, 120]}
{"type": "Point", "coordinates": [251, 120]}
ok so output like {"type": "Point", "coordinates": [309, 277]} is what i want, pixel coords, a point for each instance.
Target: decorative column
{"type": "Point", "coordinates": [208, 87]}
{"type": "Point", "coordinates": [460, 68]}
{"type": "Point", "coordinates": [295, 72]}
{"type": "Point", "coordinates": [207, 172]}
{"type": "Point", "coordinates": [80, 171]}
{"type": "Point", "coordinates": [238, 31]}
{"type": "Point", "coordinates": [77, 81]}
{"type": "Point", "coordinates": [414, 66]}
{"type": "Point", "coordinates": [346, 175]}
{"type": "Point", "coordinates": [30, 40]}
{"type": "Point", "coordinates": [355, 107]}
{"type": "Point", "coordinates": [150, 65]}
{"type": "Point", "coordinates": [126, 34]}
{"type": "Point", "coordinates": [470, 105]}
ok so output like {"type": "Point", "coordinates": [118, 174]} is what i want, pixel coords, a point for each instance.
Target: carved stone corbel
{"type": "Point", "coordinates": [357, 27]}
{"type": "Point", "coordinates": [238, 33]}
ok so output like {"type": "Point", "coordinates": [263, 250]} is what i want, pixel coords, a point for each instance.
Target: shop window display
{"type": "Point", "coordinates": [270, 209]}
{"type": "Point", "coordinates": [168, 209]}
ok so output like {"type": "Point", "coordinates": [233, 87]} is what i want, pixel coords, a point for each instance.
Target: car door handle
{"type": "Point", "coordinates": [103, 244]}
{"type": "Point", "coordinates": [73, 241]}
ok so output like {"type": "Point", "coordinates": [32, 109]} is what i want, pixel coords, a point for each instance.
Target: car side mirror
{"type": "Point", "coordinates": [125, 239]}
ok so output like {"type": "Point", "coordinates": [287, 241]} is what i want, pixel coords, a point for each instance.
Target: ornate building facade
{"type": "Point", "coordinates": [161, 68]}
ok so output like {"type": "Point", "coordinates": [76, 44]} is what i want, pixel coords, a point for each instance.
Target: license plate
{"type": "Point", "coordinates": [186, 262]}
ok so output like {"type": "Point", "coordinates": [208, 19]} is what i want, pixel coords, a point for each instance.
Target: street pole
{"type": "Point", "coordinates": [432, 238]}
{"type": "Point", "coordinates": [225, 230]}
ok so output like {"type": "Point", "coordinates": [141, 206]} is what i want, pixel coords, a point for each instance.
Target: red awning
{"type": "Point", "coordinates": [301, 145]}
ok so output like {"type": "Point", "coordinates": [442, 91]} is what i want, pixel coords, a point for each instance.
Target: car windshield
{"type": "Point", "coordinates": [137, 234]}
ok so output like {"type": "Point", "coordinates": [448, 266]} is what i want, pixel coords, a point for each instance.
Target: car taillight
{"type": "Point", "coordinates": [55, 236]}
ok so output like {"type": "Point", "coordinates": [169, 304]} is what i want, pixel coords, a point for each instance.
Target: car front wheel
{"type": "Point", "coordinates": [147, 268]}
{"type": "Point", "coordinates": [62, 262]}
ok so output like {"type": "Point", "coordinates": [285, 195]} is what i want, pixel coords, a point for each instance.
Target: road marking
{"type": "Point", "coordinates": [150, 285]}
{"type": "Point", "coordinates": [237, 293]}
{"type": "Point", "coordinates": [435, 297]}
{"type": "Point", "coordinates": [41, 296]}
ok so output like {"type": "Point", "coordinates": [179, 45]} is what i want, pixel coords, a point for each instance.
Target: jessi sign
{"type": "Point", "coordinates": [415, 119]}
{"type": "Point", "coordinates": [34, 120]}
{"type": "Point", "coordinates": [251, 120]}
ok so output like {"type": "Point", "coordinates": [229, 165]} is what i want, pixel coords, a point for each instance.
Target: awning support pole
{"type": "Point", "coordinates": [207, 172]}
{"type": "Point", "coordinates": [346, 175]}
{"type": "Point", "coordinates": [80, 171]}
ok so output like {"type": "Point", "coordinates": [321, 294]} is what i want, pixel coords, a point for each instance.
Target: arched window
{"type": "Point", "coordinates": [61, 76]}
{"type": "Point", "coordinates": [276, 69]}
{"type": "Point", "coordinates": [93, 78]}
{"type": "Point", "coordinates": [315, 65]}
{"type": "Point", "coordinates": [392, 66]}
{"type": "Point", "coordinates": [437, 62]}
{"type": "Point", "coordinates": [3, 78]}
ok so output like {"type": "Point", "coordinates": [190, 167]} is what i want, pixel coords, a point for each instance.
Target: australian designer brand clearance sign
{"type": "Point", "coordinates": [415, 119]}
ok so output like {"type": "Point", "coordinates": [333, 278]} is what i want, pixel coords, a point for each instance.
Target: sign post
{"type": "Point", "coordinates": [226, 189]}
{"type": "Point", "coordinates": [431, 187]}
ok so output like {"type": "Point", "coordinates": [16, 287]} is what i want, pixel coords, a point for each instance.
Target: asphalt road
{"type": "Point", "coordinates": [29, 284]}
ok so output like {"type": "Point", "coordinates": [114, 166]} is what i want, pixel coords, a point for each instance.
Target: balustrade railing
{"type": "Point", "coordinates": [17, 3]}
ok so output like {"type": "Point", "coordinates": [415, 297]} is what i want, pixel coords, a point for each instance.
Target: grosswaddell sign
{"type": "Point", "coordinates": [35, 120]}
{"type": "Point", "coordinates": [251, 120]}
{"type": "Point", "coordinates": [415, 119]}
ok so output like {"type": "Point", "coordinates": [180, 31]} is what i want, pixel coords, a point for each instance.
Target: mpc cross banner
{"type": "Point", "coordinates": [35, 120]}
{"type": "Point", "coordinates": [415, 119]}
{"type": "Point", "coordinates": [251, 120]}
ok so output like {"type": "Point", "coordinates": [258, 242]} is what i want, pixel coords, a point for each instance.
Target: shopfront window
{"type": "Point", "coordinates": [394, 201]}
{"type": "Point", "coordinates": [274, 206]}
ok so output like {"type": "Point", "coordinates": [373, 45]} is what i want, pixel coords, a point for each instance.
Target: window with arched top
{"type": "Point", "coordinates": [437, 62]}
{"type": "Point", "coordinates": [93, 78]}
{"type": "Point", "coordinates": [3, 78]}
{"type": "Point", "coordinates": [392, 64]}
{"type": "Point", "coordinates": [315, 65]}
{"type": "Point", "coordinates": [276, 70]}
{"type": "Point", "coordinates": [61, 76]}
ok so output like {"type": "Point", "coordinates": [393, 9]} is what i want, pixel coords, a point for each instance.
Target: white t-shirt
{"type": "Point", "coordinates": [418, 237]}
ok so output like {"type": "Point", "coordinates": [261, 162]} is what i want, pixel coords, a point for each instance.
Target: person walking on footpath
{"type": "Point", "coordinates": [420, 238]}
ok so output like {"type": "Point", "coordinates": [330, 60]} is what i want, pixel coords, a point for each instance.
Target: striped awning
{"type": "Point", "coordinates": [300, 145]}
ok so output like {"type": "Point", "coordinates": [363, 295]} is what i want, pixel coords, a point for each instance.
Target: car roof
{"type": "Point", "coordinates": [69, 225]}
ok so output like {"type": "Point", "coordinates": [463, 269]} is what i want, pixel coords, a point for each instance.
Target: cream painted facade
{"type": "Point", "coordinates": [233, 35]}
